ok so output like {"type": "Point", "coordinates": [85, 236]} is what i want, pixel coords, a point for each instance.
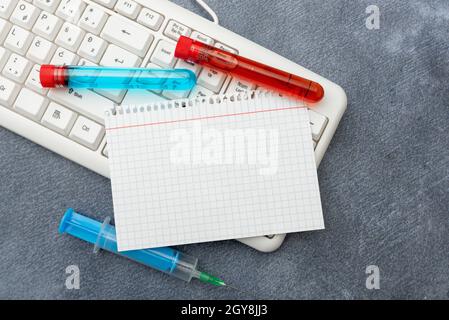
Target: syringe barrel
{"type": "Point", "coordinates": [103, 236]}
{"type": "Point", "coordinates": [92, 77]}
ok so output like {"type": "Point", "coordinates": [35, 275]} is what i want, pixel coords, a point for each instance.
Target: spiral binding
{"type": "Point", "coordinates": [176, 104]}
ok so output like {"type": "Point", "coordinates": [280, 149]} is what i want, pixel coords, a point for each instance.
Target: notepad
{"type": "Point", "coordinates": [210, 169]}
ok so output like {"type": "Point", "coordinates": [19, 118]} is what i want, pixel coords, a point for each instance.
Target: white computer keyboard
{"type": "Point", "coordinates": [123, 33]}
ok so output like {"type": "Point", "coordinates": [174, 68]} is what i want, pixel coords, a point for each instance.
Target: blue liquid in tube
{"type": "Point", "coordinates": [103, 236]}
{"type": "Point", "coordinates": [92, 77]}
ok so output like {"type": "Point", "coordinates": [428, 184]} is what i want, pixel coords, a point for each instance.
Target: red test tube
{"type": "Point", "coordinates": [241, 67]}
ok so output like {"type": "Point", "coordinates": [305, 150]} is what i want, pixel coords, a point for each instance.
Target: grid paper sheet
{"type": "Point", "coordinates": [218, 168]}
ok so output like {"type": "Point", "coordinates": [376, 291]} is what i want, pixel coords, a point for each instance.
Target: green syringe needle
{"type": "Point", "coordinates": [207, 278]}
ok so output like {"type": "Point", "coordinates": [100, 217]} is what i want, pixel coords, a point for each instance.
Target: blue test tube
{"type": "Point", "coordinates": [92, 77]}
{"type": "Point", "coordinates": [103, 236]}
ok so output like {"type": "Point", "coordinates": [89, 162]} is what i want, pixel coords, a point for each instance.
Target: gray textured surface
{"type": "Point", "coordinates": [384, 179]}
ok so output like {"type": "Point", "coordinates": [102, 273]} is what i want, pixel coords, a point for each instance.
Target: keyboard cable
{"type": "Point", "coordinates": [208, 10]}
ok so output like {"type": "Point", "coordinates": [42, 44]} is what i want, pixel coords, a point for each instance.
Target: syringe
{"type": "Point", "coordinates": [102, 235]}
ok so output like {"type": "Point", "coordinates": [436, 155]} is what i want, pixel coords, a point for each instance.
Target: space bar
{"type": "Point", "coordinates": [83, 101]}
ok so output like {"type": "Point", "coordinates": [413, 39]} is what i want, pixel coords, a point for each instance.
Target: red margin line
{"type": "Point", "coordinates": [202, 118]}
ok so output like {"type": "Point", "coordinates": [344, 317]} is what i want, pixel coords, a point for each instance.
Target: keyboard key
{"type": "Point", "coordinates": [115, 95]}
{"type": "Point", "coordinates": [211, 79]}
{"type": "Point", "coordinates": [17, 68]}
{"type": "Point", "coordinates": [200, 92]}
{"type": "Point", "coordinates": [70, 36]}
{"type": "Point", "coordinates": [202, 38]}
{"type": "Point", "coordinates": [175, 29]}
{"type": "Point", "coordinates": [105, 150]}
{"type": "Point", "coordinates": [154, 66]}
{"type": "Point", "coordinates": [87, 132]}
{"type": "Point", "coordinates": [164, 54]}
{"type": "Point", "coordinates": [41, 50]}
{"type": "Point", "coordinates": [25, 14]}
{"type": "Point", "coordinates": [318, 123]}
{"type": "Point", "coordinates": [127, 34]}
{"type": "Point", "coordinates": [8, 91]}
{"type": "Point", "coordinates": [6, 8]}
{"type": "Point", "coordinates": [225, 48]}
{"type": "Point", "coordinates": [150, 19]}
{"type": "Point", "coordinates": [182, 64]}
{"type": "Point", "coordinates": [93, 19]}
{"type": "Point", "coordinates": [175, 94]}
{"type": "Point", "coordinates": [30, 104]}
{"type": "Point", "coordinates": [240, 86]}
{"type": "Point", "coordinates": [47, 5]}
{"type": "Point", "coordinates": [92, 47]}
{"type": "Point", "coordinates": [4, 28]}
{"type": "Point", "coordinates": [18, 40]}
{"type": "Point", "coordinates": [116, 56]}
{"type": "Point", "coordinates": [33, 81]}
{"type": "Point", "coordinates": [107, 3]}
{"type": "Point", "coordinates": [4, 55]}
{"type": "Point", "coordinates": [47, 26]}
{"type": "Point", "coordinates": [59, 118]}
{"type": "Point", "coordinates": [64, 57]}
{"type": "Point", "coordinates": [136, 98]}
{"type": "Point", "coordinates": [128, 8]}
{"type": "Point", "coordinates": [83, 101]}
{"type": "Point", "coordinates": [71, 10]}
{"type": "Point", "coordinates": [85, 62]}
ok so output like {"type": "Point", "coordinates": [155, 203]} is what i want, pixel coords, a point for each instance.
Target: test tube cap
{"type": "Point", "coordinates": [52, 76]}
{"type": "Point", "coordinates": [183, 46]}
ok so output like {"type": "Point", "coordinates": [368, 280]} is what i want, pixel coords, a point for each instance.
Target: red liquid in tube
{"type": "Point", "coordinates": [258, 73]}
